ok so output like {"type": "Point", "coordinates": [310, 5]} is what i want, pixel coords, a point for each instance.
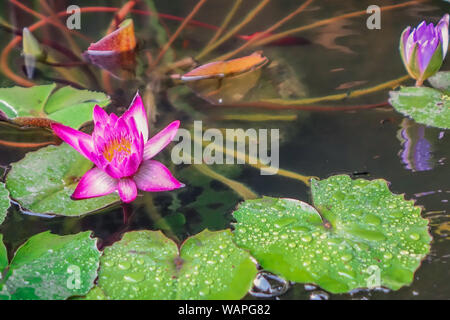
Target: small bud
{"type": "Point", "coordinates": [424, 48]}
{"type": "Point", "coordinates": [32, 51]}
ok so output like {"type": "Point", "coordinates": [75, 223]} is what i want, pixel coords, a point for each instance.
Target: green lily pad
{"type": "Point", "coordinates": [69, 106]}
{"type": "Point", "coordinates": [424, 105]}
{"type": "Point", "coordinates": [3, 256]}
{"type": "Point", "coordinates": [4, 202]}
{"type": "Point", "coordinates": [148, 265]}
{"type": "Point", "coordinates": [441, 81]}
{"type": "Point", "coordinates": [50, 266]}
{"type": "Point", "coordinates": [358, 235]}
{"type": "Point", "coordinates": [44, 180]}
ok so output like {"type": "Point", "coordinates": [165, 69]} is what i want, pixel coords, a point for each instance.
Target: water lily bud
{"type": "Point", "coordinates": [32, 51]}
{"type": "Point", "coordinates": [423, 49]}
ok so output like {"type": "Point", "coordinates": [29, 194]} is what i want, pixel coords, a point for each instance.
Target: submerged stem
{"type": "Point", "coordinates": [249, 17]}
{"type": "Point", "coordinates": [328, 21]}
{"type": "Point", "coordinates": [225, 23]}
{"type": "Point", "coordinates": [274, 27]}
{"type": "Point", "coordinates": [178, 31]}
{"type": "Point", "coordinates": [244, 192]}
{"type": "Point", "coordinates": [341, 96]}
{"type": "Point", "coordinates": [254, 162]}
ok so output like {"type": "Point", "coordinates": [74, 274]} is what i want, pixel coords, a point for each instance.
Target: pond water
{"type": "Point", "coordinates": [332, 59]}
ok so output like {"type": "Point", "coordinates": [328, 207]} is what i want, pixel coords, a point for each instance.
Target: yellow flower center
{"type": "Point", "coordinates": [120, 147]}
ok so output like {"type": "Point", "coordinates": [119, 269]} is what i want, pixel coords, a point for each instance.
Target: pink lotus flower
{"type": "Point", "coordinates": [122, 153]}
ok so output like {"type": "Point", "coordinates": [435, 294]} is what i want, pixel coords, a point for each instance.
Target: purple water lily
{"type": "Point", "coordinates": [423, 49]}
{"type": "Point", "coordinates": [122, 154]}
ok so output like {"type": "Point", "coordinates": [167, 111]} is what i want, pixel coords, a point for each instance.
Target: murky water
{"type": "Point", "coordinates": [333, 59]}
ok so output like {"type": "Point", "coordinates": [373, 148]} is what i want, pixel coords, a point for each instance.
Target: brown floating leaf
{"type": "Point", "coordinates": [222, 69]}
{"type": "Point", "coordinates": [121, 65]}
{"type": "Point", "coordinates": [121, 40]}
{"type": "Point", "coordinates": [225, 90]}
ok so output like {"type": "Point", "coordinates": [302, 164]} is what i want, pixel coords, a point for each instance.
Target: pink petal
{"type": "Point", "coordinates": [100, 115]}
{"type": "Point", "coordinates": [111, 170]}
{"type": "Point", "coordinates": [75, 138]}
{"type": "Point", "coordinates": [137, 111]}
{"type": "Point", "coordinates": [130, 165]}
{"type": "Point", "coordinates": [113, 119]}
{"type": "Point", "coordinates": [154, 176]}
{"type": "Point", "coordinates": [94, 183]}
{"type": "Point", "coordinates": [160, 140]}
{"type": "Point", "coordinates": [127, 190]}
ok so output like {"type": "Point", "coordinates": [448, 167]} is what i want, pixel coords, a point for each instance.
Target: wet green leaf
{"type": "Point", "coordinates": [50, 266]}
{"type": "Point", "coordinates": [441, 81]}
{"type": "Point", "coordinates": [424, 105]}
{"type": "Point", "coordinates": [3, 256]}
{"type": "Point", "coordinates": [4, 202]}
{"type": "Point", "coordinates": [70, 106]}
{"type": "Point", "coordinates": [44, 180]}
{"type": "Point", "coordinates": [148, 265]}
{"type": "Point", "coordinates": [95, 294]}
{"type": "Point", "coordinates": [205, 202]}
{"type": "Point", "coordinates": [358, 234]}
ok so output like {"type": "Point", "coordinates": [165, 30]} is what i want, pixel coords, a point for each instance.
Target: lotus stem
{"type": "Point", "coordinates": [275, 106]}
{"type": "Point", "coordinates": [253, 162]}
{"type": "Point", "coordinates": [66, 32]}
{"type": "Point", "coordinates": [178, 31]}
{"type": "Point", "coordinates": [249, 17]}
{"type": "Point", "coordinates": [225, 22]}
{"type": "Point", "coordinates": [120, 15]}
{"type": "Point", "coordinates": [341, 96]}
{"type": "Point", "coordinates": [274, 27]}
{"type": "Point", "coordinates": [244, 192]}
{"type": "Point", "coordinates": [48, 19]}
{"type": "Point", "coordinates": [328, 21]}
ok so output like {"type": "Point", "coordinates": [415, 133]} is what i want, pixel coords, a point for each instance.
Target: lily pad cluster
{"type": "Point", "coordinates": [357, 234]}
{"type": "Point", "coordinates": [430, 106]}
{"type": "Point", "coordinates": [67, 105]}
{"type": "Point", "coordinates": [49, 266]}
{"type": "Point", "coordinates": [148, 265]}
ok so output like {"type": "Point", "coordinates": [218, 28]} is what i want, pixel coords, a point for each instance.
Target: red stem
{"type": "Point", "coordinates": [274, 106]}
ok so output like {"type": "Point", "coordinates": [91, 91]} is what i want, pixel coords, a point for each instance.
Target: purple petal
{"type": "Point", "coordinates": [405, 36]}
{"type": "Point", "coordinates": [137, 111]}
{"type": "Point", "coordinates": [425, 53]}
{"type": "Point", "coordinates": [127, 190]}
{"type": "Point", "coordinates": [409, 47]}
{"type": "Point", "coordinates": [160, 140]}
{"type": "Point", "coordinates": [100, 116]}
{"type": "Point", "coordinates": [420, 31]}
{"type": "Point", "coordinates": [74, 138]}
{"type": "Point", "coordinates": [94, 183]}
{"type": "Point", "coordinates": [154, 176]}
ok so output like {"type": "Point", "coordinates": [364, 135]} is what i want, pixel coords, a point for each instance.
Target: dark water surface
{"type": "Point", "coordinates": [336, 58]}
